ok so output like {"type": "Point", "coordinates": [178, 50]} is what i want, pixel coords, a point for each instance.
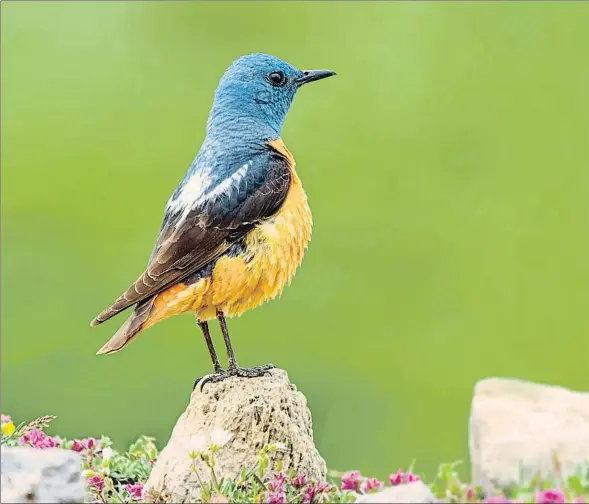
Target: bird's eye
{"type": "Point", "coordinates": [277, 78]}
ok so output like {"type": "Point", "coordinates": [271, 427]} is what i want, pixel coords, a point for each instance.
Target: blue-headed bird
{"type": "Point", "coordinates": [237, 226]}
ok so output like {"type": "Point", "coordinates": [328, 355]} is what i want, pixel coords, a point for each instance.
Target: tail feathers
{"type": "Point", "coordinates": [132, 326]}
{"type": "Point", "coordinates": [118, 306]}
{"type": "Point", "coordinates": [133, 295]}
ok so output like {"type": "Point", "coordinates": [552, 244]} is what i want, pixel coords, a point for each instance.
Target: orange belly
{"type": "Point", "coordinates": [273, 252]}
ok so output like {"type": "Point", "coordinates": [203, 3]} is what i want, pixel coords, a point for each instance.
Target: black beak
{"type": "Point", "coordinates": [314, 75]}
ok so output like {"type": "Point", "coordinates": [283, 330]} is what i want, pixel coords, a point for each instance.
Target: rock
{"type": "Point", "coordinates": [33, 475]}
{"type": "Point", "coordinates": [256, 412]}
{"type": "Point", "coordinates": [544, 427]}
{"type": "Point", "coordinates": [414, 492]}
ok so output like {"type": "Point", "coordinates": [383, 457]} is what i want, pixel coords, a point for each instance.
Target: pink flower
{"type": "Point", "coordinates": [6, 418]}
{"type": "Point", "coordinates": [322, 486]}
{"type": "Point", "coordinates": [276, 497]}
{"type": "Point", "coordinates": [299, 481]}
{"type": "Point", "coordinates": [97, 482]}
{"type": "Point", "coordinates": [315, 490]}
{"type": "Point", "coordinates": [136, 490]}
{"type": "Point", "coordinates": [548, 496]}
{"type": "Point", "coordinates": [352, 481]}
{"type": "Point", "coordinates": [77, 446]}
{"type": "Point", "coordinates": [276, 484]}
{"type": "Point", "coordinates": [309, 494]}
{"type": "Point", "coordinates": [401, 477]}
{"type": "Point", "coordinates": [470, 493]}
{"type": "Point", "coordinates": [38, 439]}
{"type": "Point", "coordinates": [371, 484]}
{"type": "Point", "coordinates": [80, 445]}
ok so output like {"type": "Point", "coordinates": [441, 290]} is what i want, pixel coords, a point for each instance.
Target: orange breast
{"type": "Point", "coordinates": [274, 250]}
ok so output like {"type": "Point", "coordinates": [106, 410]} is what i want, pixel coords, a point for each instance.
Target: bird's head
{"type": "Point", "coordinates": [255, 94]}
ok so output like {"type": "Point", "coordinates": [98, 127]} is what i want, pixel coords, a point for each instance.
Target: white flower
{"type": "Point", "coordinates": [197, 443]}
{"type": "Point", "coordinates": [220, 437]}
{"type": "Point", "coordinates": [106, 453]}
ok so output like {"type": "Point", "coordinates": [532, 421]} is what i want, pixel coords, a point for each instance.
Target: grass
{"type": "Point", "coordinates": [120, 476]}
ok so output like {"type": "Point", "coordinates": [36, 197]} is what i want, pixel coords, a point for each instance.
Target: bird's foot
{"type": "Point", "coordinates": [253, 372]}
{"type": "Point", "coordinates": [217, 376]}
{"type": "Point", "coordinates": [221, 374]}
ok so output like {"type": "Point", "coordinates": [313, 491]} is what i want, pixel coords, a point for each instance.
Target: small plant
{"type": "Point", "coordinates": [120, 477]}
{"type": "Point", "coordinates": [111, 476]}
{"type": "Point", "coordinates": [258, 483]}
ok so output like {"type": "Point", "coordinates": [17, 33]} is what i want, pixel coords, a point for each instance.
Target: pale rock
{"type": "Point", "coordinates": [43, 476]}
{"type": "Point", "coordinates": [255, 412]}
{"type": "Point", "coordinates": [543, 427]}
{"type": "Point", "coordinates": [414, 492]}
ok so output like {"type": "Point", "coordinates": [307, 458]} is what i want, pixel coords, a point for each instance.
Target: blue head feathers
{"type": "Point", "coordinates": [254, 95]}
{"type": "Point", "coordinates": [250, 105]}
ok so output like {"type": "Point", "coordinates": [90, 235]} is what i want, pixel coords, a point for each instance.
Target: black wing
{"type": "Point", "coordinates": [189, 242]}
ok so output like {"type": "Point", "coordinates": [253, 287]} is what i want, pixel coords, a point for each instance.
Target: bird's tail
{"type": "Point", "coordinates": [133, 325]}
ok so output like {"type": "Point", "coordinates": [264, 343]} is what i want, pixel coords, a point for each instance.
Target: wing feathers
{"type": "Point", "coordinates": [190, 240]}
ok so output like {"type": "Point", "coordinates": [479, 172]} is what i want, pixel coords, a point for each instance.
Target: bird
{"type": "Point", "coordinates": [237, 226]}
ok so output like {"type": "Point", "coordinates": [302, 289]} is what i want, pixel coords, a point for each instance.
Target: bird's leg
{"type": "Point", "coordinates": [232, 368]}
{"type": "Point", "coordinates": [204, 327]}
{"type": "Point", "coordinates": [219, 371]}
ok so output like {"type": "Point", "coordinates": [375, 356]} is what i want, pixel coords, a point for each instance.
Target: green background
{"type": "Point", "coordinates": [447, 167]}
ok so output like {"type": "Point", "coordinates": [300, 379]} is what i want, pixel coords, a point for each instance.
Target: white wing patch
{"type": "Point", "coordinates": [192, 192]}
{"type": "Point", "coordinates": [228, 182]}
{"type": "Point", "coordinates": [195, 191]}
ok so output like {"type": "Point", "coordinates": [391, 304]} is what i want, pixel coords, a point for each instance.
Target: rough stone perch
{"type": "Point", "coordinates": [32, 475]}
{"type": "Point", "coordinates": [257, 412]}
{"type": "Point", "coordinates": [543, 427]}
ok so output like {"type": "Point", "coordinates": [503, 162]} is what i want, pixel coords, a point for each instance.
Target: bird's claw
{"type": "Point", "coordinates": [221, 374]}
{"type": "Point", "coordinates": [253, 372]}
{"type": "Point", "coordinates": [217, 376]}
